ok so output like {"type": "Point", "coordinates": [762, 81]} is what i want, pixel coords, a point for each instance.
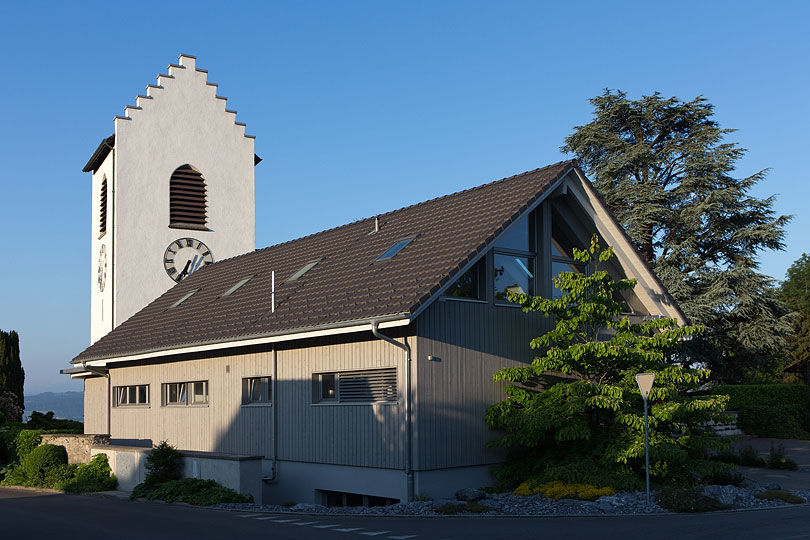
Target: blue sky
{"type": "Point", "coordinates": [363, 107]}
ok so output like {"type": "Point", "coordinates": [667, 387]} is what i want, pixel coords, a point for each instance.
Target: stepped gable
{"type": "Point", "coordinates": [185, 67]}
{"type": "Point", "coordinates": [346, 287]}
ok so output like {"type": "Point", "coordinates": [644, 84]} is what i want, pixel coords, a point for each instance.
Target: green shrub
{"type": "Point", "coordinates": [40, 464]}
{"type": "Point", "coordinates": [769, 410]}
{"type": "Point", "coordinates": [162, 465]}
{"type": "Point", "coordinates": [193, 491]}
{"type": "Point", "coordinates": [560, 490]}
{"type": "Point", "coordinates": [778, 460]}
{"type": "Point", "coordinates": [725, 478]}
{"type": "Point", "coordinates": [48, 422]}
{"type": "Point", "coordinates": [95, 476]}
{"type": "Point", "coordinates": [26, 441]}
{"type": "Point", "coordinates": [687, 500]}
{"type": "Point", "coordinates": [779, 495]}
{"type": "Point", "coordinates": [14, 475]}
{"type": "Point", "coordinates": [749, 457]}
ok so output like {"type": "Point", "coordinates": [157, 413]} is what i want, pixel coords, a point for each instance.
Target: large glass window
{"type": "Point", "coordinates": [514, 260]}
{"type": "Point", "coordinates": [562, 252]}
{"type": "Point", "coordinates": [137, 394]}
{"type": "Point", "coordinates": [185, 393]}
{"type": "Point", "coordinates": [256, 390]}
{"type": "Point", "coordinates": [471, 284]}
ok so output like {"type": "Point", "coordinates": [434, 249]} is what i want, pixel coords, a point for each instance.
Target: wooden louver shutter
{"type": "Point", "coordinates": [368, 385]}
{"type": "Point", "coordinates": [187, 197]}
{"type": "Point", "coordinates": [102, 227]}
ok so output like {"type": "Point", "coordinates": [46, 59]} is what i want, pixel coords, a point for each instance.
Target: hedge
{"type": "Point", "coordinates": [778, 411]}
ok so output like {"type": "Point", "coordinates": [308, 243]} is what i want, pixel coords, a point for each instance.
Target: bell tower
{"type": "Point", "coordinates": [172, 191]}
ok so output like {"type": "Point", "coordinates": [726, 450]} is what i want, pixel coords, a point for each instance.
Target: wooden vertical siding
{"type": "Point", "coordinates": [224, 425]}
{"type": "Point", "coordinates": [472, 340]}
{"type": "Point", "coordinates": [95, 405]}
{"type": "Point", "coordinates": [368, 435]}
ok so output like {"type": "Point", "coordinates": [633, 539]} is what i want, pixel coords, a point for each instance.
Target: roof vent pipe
{"type": "Point", "coordinates": [273, 291]}
{"type": "Point", "coordinates": [377, 224]}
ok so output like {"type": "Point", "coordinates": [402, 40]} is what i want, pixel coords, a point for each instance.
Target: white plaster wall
{"type": "Point", "coordinates": [184, 122]}
{"type": "Point", "coordinates": [101, 303]}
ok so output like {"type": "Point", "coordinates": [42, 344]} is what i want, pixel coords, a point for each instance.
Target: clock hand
{"type": "Point", "coordinates": [184, 273]}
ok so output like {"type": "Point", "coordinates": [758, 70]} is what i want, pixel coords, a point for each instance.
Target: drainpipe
{"type": "Point", "coordinates": [274, 404]}
{"type": "Point", "coordinates": [105, 373]}
{"type": "Point", "coordinates": [404, 346]}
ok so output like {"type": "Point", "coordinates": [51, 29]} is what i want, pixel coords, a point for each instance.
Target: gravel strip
{"type": "Point", "coordinates": [508, 504]}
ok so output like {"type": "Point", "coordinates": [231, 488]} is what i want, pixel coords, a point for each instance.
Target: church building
{"type": "Point", "coordinates": [350, 366]}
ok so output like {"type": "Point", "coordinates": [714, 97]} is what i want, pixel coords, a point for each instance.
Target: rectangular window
{"type": "Point", "coordinates": [367, 386]}
{"type": "Point", "coordinates": [185, 393]}
{"type": "Point", "coordinates": [137, 394]}
{"type": "Point", "coordinates": [256, 390]}
{"type": "Point", "coordinates": [513, 274]}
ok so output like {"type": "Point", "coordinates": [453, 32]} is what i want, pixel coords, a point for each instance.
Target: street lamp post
{"type": "Point", "coordinates": [645, 382]}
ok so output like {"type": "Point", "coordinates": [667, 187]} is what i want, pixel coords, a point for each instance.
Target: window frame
{"type": "Point", "coordinates": [121, 390]}
{"type": "Point", "coordinates": [266, 393]}
{"type": "Point", "coordinates": [185, 394]}
{"type": "Point", "coordinates": [317, 387]}
{"type": "Point", "coordinates": [533, 218]}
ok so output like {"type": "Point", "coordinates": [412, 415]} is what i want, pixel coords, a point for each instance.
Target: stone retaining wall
{"type": "Point", "coordinates": [77, 446]}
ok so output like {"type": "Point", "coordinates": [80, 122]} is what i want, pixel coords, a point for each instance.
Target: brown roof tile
{"type": "Point", "coordinates": [346, 285]}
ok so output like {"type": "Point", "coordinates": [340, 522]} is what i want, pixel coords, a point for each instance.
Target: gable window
{"type": "Point", "coordinates": [102, 217]}
{"type": "Point", "coordinates": [514, 260]}
{"type": "Point", "coordinates": [396, 248]}
{"type": "Point", "coordinates": [187, 199]}
{"type": "Point", "coordinates": [185, 393]}
{"type": "Point", "coordinates": [472, 283]}
{"type": "Point", "coordinates": [256, 390]}
{"type": "Point", "coordinates": [562, 252]}
{"type": "Point", "coordinates": [366, 386]}
{"type": "Point", "coordinates": [124, 396]}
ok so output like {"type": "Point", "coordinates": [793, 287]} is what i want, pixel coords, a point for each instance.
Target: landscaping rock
{"type": "Point", "coordinates": [725, 495]}
{"type": "Point", "coordinates": [310, 508]}
{"type": "Point", "coordinates": [470, 494]}
{"type": "Point", "coordinates": [773, 485]}
{"type": "Point", "coordinates": [751, 485]}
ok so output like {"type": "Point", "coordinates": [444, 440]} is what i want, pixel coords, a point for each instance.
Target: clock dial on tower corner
{"type": "Point", "coordinates": [185, 256]}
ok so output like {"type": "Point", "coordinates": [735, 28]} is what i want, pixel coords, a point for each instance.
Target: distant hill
{"type": "Point", "coordinates": [67, 405]}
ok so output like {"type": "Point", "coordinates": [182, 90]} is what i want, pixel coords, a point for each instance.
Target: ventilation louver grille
{"type": "Point", "coordinates": [187, 204]}
{"type": "Point", "coordinates": [102, 217]}
{"type": "Point", "coordinates": [371, 385]}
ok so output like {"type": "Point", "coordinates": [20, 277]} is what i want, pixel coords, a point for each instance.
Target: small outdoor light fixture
{"type": "Point", "coordinates": [645, 382]}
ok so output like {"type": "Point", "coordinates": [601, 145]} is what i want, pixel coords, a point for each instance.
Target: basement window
{"type": "Point", "coordinates": [396, 248]}
{"type": "Point", "coordinates": [366, 386]}
{"type": "Point", "coordinates": [341, 498]}
{"type": "Point", "coordinates": [125, 396]}
{"type": "Point", "coordinates": [303, 270]}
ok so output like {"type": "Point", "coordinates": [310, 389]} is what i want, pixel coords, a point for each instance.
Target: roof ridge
{"type": "Point", "coordinates": [571, 162]}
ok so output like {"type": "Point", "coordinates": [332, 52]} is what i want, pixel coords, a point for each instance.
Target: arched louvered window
{"type": "Point", "coordinates": [102, 216]}
{"type": "Point", "coordinates": [187, 204]}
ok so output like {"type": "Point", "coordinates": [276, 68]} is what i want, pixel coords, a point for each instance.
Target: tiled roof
{"type": "Point", "coordinates": [346, 285]}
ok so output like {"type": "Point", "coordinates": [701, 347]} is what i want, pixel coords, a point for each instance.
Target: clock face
{"type": "Point", "coordinates": [102, 268]}
{"type": "Point", "coordinates": [185, 256]}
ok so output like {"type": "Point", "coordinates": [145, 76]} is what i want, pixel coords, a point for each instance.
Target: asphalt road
{"type": "Point", "coordinates": [26, 514]}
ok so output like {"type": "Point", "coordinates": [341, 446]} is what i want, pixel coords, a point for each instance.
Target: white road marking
{"type": "Point", "coordinates": [403, 537]}
{"type": "Point", "coordinates": [285, 520]}
{"type": "Point", "coordinates": [304, 523]}
{"type": "Point", "coordinates": [247, 515]}
{"type": "Point", "coordinates": [325, 526]}
{"type": "Point", "coordinates": [374, 533]}
{"type": "Point", "coordinates": [264, 518]}
{"type": "Point", "coordinates": [350, 530]}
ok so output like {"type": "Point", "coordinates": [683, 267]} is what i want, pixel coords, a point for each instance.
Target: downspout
{"type": "Point", "coordinates": [105, 373]}
{"type": "Point", "coordinates": [274, 404]}
{"type": "Point", "coordinates": [404, 346]}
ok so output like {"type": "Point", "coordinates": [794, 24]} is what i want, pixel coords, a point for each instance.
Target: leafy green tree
{"type": "Point", "coordinates": [663, 168]}
{"type": "Point", "coordinates": [588, 427]}
{"type": "Point", "coordinates": [12, 375]}
{"type": "Point", "coordinates": [795, 293]}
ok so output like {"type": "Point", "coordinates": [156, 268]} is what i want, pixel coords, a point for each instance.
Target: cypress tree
{"type": "Point", "coordinates": [12, 375]}
{"type": "Point", "coordinates": [665, 171]}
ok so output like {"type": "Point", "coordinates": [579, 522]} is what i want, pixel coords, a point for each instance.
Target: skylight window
{"type": "Point", "coordinates": [303, 270]}
{"type": "Point", "coordinates": [396, 248]}
{"type": "Point", "coordinates": [183, 298]}
{"type": "Point", "coordinates": [239, 284]}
